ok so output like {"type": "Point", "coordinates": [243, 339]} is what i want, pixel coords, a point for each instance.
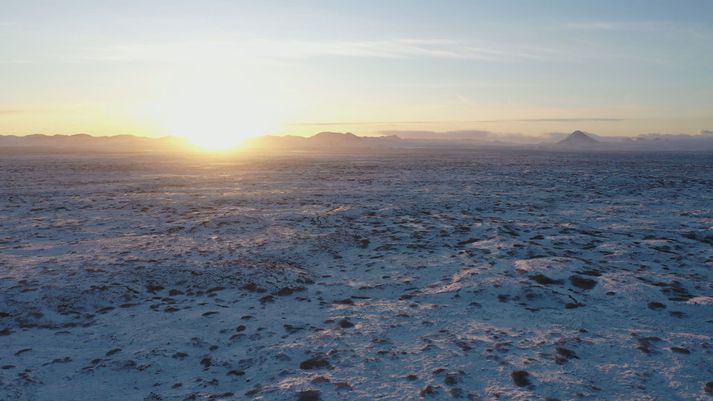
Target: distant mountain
{"type": "Point", "coordinates": [338, 142]}
{"type": "Point", "coordinates": [326, 141]}
{"type": "Point", "coordinates": [88, 144]}
{"type": "Point", "coordinates": [578, 138]}
{"type": "Point", "coordinates": [453, 136]}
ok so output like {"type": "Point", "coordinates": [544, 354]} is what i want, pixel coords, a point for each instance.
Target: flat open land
{"type": "Point", "coordinates": [475, 275]}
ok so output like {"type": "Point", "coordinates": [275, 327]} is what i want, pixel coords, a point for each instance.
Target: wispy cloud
{"type": "Point", "coordinates": [235, 49]}
{"type": "Point", "coordinates": [528, 120]}
{"type": "Point", "coordinates": [239, 50]}
{"type": "Point", "coordinates": [411, 48]}
{"type": "Point", "coordinates": [639, 26]}
{"type": "Point", "coordinates": [567, 120]}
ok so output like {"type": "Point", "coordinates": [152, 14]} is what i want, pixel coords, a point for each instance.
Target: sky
{"type": "Point", "coordinates": [230, 69]}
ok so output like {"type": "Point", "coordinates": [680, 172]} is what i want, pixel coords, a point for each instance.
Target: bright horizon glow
{"type": "Point", "coordinates": [215, 125]}
{"type": "Point", "coordinates": [218, 72]}
{"type": "Point", "coordinates": [213, 115]}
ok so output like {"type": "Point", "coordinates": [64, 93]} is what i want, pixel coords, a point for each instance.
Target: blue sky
{"type": "Point", "coordinates": [177, 67]}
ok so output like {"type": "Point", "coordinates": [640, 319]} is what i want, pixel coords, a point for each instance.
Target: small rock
{"type": "Point", "coordinates": [521, 378]}
{"type": "Point", "coordinates": [345, 324]}
{"type": "Point", "coordinates": [315, 363]}
{"type": "Point", "coordinates": [583, 283]}
{"type": "Point", "coordinates": [283, 292]}
{"type": "Point", "coordinates": [153, 288]}
{"type": "Point", "coordinates": [428, 390]}
{"type": "Point", "coordinates": [267, 299]}
{"type": "Point", "coordinates": [363, 243]}
{"type": "Point", "coordinates": [113, 351]}
{"type": "Point", "coordinates": [308, 395]}
{"type": "Point", "coordinates": [343, 386]}
{"type": "Point", "coordinates": [564, 355]}
{"type": "Point", "coordinates": [680, 350]}
{"type": "Point", "coordinates": [451, 379]}
{"type": "Point", "coordinates": [544, 280]}
{"type": "Point", "coordinates": [656, 306]}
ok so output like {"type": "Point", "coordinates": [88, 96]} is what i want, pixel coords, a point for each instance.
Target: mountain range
{"type": "Point", "coordinates": [326, 141]}
{"type": "Point", "coordinates": [85, 143]}
{"type": "Point", "coordinates": [349, 142]}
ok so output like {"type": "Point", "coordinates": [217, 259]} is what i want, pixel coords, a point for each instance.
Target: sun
{"type": "Point", "coordinates": [217, 120]}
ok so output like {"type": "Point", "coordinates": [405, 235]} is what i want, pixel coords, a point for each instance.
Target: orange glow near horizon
{"type": "Point", "coordinates": [213, 117]}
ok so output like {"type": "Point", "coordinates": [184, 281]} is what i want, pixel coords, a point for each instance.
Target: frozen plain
{"type": "Point", "coordinates": [477, 275]}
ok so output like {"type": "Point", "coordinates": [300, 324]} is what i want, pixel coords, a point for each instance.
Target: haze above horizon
{"type": "Point", "coordinates": [218, 71]}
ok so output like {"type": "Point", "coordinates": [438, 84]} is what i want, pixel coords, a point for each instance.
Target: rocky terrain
{"type": "Point", "coordinates": [479, 275]}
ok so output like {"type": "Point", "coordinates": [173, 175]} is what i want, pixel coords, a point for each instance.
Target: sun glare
{"type": "Point", "coordinates": [217, 121]}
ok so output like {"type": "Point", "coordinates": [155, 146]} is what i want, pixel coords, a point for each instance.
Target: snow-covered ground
{"type": "Point", "coordinates": [497, 275]}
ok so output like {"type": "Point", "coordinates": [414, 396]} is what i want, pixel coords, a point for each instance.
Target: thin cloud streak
{"type": "Point", "coordinates": [412, 48]}
{"type": "Point", "coordinates": [237, 49]}
{"type": "Point", "coordinates": [566, 120]}
{"type": "Point", "coordinates": [694, 31]}
{"type": "Point", "coordinates": [15, 61]}
{"type": "Point", "coordinates": [632, 26]}
{"type": "Point", "coordinates": [529, 120]}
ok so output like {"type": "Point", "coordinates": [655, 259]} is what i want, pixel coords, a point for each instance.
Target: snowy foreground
{"type": "Point", "coordinates": [491, 275]}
